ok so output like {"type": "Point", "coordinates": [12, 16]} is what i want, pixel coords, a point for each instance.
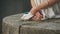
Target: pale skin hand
{"type": "Point", "coordinates": [37, 16]}
{"type": "Point", "coordinates": [35, 9]}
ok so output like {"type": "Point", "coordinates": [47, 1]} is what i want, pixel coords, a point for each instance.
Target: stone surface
{"type": "Point", "coordinates": [13, 25]}
{"type": "Point", "coordinates": [41, 28]}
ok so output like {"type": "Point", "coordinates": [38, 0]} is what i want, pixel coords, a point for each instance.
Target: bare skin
{"type": "Point", "coordinates": [35, 9]}
{"type": "Point", "coordinates": [36, 16]}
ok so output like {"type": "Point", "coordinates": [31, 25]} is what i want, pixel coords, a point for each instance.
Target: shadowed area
{"type": "Point", "coordinates": [10, 7]}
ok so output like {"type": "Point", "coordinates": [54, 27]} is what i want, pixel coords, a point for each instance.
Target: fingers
{"type": "Point", "coordinates": [37, 16]}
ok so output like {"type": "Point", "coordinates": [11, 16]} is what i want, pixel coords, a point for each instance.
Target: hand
{"type": "Point", "coordinates": [37, 16]}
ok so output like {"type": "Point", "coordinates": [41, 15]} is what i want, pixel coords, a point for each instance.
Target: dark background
{"type": "Point", "coordinates": [10, 7]}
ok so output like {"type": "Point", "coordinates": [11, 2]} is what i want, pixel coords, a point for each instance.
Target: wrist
{"type": "Point", "coordinates": [34, 10]}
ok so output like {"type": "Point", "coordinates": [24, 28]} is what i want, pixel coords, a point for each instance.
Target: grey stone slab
{"type": "Point", "coordinates": [11, 25]}
{"type": "Point", "coordinates": [5, 28]}
{"type": "Point", "coordinates": [41, 28]}
{"type": "Point", "coordinates": [14, 25]}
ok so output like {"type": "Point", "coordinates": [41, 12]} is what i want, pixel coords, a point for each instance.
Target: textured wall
{"type": "Point", "coordinates": [14, 6]}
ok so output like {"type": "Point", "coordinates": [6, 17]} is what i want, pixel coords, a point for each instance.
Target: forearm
{"type": "Point", "coordinates": [46, 4]}
{"type": "Point", "coordinates": [43, 6]}
{"type": "Point", "coordinates": [33, 3]}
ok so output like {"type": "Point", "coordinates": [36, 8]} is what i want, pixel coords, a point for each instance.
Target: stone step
{"type": "Point", "coordinates": [13, 25]}
{"type": "Point", "coordinates": [41, 28]}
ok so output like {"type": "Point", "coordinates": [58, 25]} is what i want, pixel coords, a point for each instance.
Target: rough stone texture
{"type": "Point", "coordinates": [13, 25]}
{"type": "Point", "coordinates": [41, 28]}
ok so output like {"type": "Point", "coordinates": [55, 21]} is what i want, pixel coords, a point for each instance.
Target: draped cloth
{"type": "Point", "coordinates": [50, 12]}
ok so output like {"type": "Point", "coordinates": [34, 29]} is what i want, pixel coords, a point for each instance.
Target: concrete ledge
{"type": "Point", "coordinates": [13, 25]}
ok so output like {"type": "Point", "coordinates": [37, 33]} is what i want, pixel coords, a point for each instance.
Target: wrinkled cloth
{"type": "Point", "coordinates": [26, 16]}
{"type": "Point", "coordinates": [50, 12]}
